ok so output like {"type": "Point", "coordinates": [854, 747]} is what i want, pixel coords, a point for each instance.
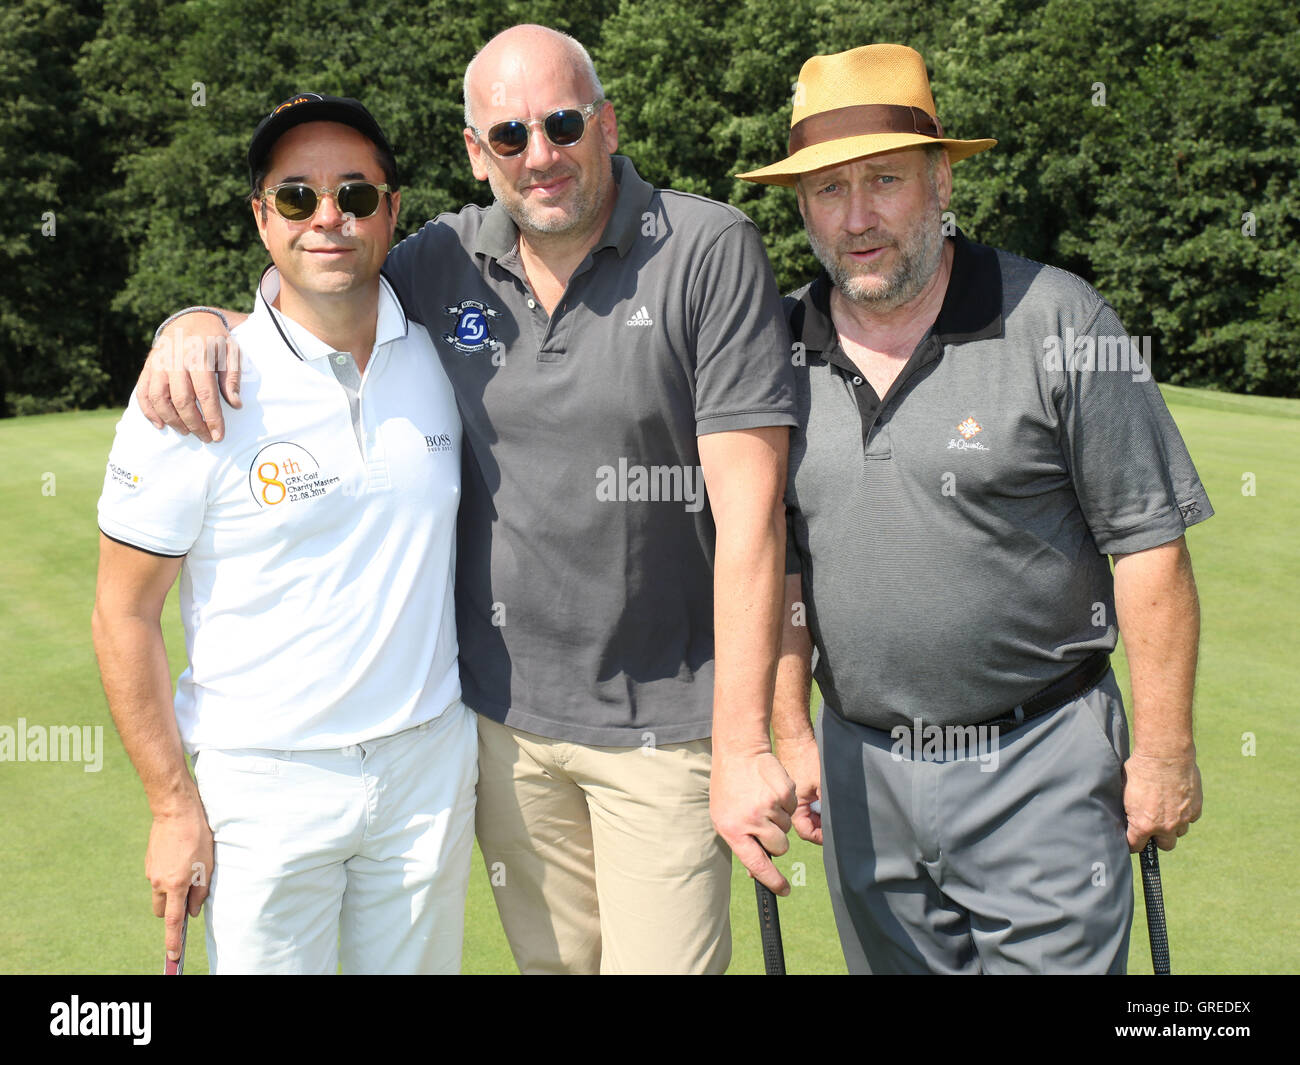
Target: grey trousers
{"type": "Point", "coordinates": [953, 852]}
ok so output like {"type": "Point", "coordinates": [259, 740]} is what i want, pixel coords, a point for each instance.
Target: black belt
{"type": "Point", "coordinates": [1087, 674]}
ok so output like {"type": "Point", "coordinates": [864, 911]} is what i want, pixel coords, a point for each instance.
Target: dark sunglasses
{"type": "Point", "coordinates": [298, 202]}
{"type": "Point", "coordinates": [563, 128]}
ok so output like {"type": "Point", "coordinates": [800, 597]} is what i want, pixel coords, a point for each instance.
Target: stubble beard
{"type": "Point", "coordinates": [584, 206]}
{"type": "Point", "coordinates": [918, 261]}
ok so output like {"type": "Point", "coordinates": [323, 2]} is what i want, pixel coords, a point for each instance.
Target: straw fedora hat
{"type": "Point", "coordinates": [860, 102]}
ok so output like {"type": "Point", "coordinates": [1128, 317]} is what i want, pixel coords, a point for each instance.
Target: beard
{"type": "Point", "coordinates": [918, 253]}
{"type": "Point", "coordinates": [582, 207]}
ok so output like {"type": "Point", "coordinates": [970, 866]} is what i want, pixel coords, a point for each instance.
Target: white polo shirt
{"type": "Point", "coordinates": [318, 535]}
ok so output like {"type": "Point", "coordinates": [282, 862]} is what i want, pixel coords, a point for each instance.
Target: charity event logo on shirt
{"type": "Point", "coordinates": [285, 472]}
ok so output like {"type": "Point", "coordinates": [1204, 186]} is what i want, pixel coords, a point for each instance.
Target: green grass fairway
{"type": "Point", "coordinates": [73, 898]}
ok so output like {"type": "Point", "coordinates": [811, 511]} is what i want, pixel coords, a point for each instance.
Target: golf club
{"type": "Point", "coordinates": [1155, 902]}
{"type": "Point", "coordinates": [769, 925]}
{"type": "Point", "coordinates": [177, 967]}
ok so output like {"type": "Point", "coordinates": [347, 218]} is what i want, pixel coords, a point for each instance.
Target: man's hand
{"type": "Point", "coordinates": [750, 800]}
{"type": "Point", "coordinates": [179, 383]}
{"type": "Point", "coordinates": [1162, 797]}
{"type": "Point", "coordinates": [800, 759]}
{"type": "Point", "coordinates": [178, 864]}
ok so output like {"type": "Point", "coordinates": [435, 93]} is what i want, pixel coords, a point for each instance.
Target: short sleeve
{"type": "Point", "coordinates": [401, 268]}
{"type": "Point", "coordinates": [422, 265]}
{"type": "Point", "coordinates": [744, 378]}
{"type": "Point", "coordinates": [1135, 481]}
{"type": "Point", "coordinates": [155, 487]}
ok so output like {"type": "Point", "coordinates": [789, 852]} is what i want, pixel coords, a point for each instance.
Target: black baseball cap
{"type": "Point", "coordinates": [311, 107]}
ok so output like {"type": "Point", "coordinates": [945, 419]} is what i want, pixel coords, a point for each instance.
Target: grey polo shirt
{"type": "Point", "coordinates": [953, 534]}
{"type": "Point", "coordinates": [584, 585]}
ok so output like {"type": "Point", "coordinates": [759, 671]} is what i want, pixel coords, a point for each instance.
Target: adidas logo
{"type": "Point", "coordinates": [642, 317]}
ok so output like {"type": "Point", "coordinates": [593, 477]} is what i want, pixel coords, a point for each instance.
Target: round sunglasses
{"type": "Point", "coordinates": [563, 128]}
{"type": "Point", "coordinates": [298, 202]}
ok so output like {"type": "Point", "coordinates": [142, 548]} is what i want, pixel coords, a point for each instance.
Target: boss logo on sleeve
{"type": "Point", "coordinates": [285, 472]}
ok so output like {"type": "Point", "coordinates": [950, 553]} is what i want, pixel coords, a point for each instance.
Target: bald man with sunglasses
{"type": "Point", "coordinates": [330, 816]}
{"type": "Point", "coordinates": [615, 349]}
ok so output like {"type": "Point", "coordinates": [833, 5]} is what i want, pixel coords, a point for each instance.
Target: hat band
{"type": "Point", "coordinates": [861, 119]}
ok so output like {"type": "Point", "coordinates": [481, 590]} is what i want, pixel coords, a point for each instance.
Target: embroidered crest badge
{"type": "Point", "coordinates": [472, 331]}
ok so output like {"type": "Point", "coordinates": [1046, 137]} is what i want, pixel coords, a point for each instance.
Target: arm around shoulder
{"type": "Point", "coordinates": [193, 363]}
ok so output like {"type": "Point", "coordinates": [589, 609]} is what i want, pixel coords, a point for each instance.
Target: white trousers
{"type": "Point", "coordinates": [359, 854]}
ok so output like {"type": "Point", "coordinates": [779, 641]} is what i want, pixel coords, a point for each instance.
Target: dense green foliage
{"type": "Point", "coordinates": [1149, 147]}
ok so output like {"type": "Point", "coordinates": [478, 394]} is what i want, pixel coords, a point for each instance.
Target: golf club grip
{"type": "Point", "coordinates": [769, 924]}
{"type": "Point", "coordinates": [177, 967]}
{"type": "Point", "coordinates": [1155, 901]}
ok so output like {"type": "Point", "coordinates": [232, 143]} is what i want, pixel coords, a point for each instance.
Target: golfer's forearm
{"type": "Point", "coordinates": [745, 475]}
{"type": "Point", "coordinates": [790, 720]}
{"type": "Point", "coordinates": [137, 681]}
{"type": "Point", "coordinates": [1160, 622]}
{"type": "Point", "coordinates": [747, 597]}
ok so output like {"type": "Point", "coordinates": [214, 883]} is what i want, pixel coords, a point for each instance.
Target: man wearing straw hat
{"type": "Point", "coordinates": [977, 434]}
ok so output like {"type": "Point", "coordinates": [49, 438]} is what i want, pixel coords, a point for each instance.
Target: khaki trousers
{"type": "Point", "coordinates": [603, 859]}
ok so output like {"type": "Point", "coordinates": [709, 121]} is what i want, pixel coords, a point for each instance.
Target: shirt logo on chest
{"type": "Point", "coordinates": [472, 331]}
{"type": "Point", "coordinates": [285, 472]}
{"type": "Point", "coordinates": [968, 429]}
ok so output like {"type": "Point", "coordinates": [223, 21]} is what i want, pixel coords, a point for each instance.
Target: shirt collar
{"type": "Point", "coordinates": [498, 235]}
{"type": "Point", "coordinates": [972, 304]}
{"type": "Point", "coordinates": [390, 324]}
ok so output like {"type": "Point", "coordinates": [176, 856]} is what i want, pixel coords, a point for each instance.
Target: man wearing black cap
{"type": "Point", "coordinates": [330, 818]}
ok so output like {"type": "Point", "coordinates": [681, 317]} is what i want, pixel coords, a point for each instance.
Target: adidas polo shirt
{"type": "Point", "coordinates": [953, 534]}
{"type": "Point", "coordinates": [318, 537]}
{"type": "Point", "coordinates": [585, 576]}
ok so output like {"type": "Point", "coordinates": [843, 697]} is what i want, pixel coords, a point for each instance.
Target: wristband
{"type": "Point", "coordinates": [184, 311]}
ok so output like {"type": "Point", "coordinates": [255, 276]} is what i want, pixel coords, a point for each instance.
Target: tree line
{"type": "Point", "coordinates": [1150, 148]}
